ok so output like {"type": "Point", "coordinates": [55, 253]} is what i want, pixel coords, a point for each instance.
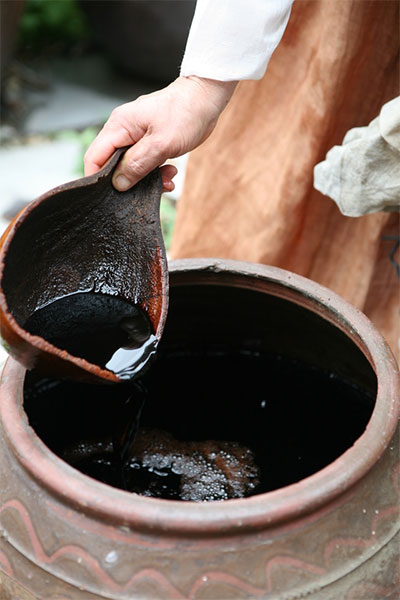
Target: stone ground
{"type": "Point", "coordinates": [58, 105]}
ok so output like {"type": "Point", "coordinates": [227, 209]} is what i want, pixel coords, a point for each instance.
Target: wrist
{"type": "Point", "coordinates": [219, 92]}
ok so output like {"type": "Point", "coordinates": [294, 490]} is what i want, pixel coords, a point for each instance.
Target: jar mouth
{"type": "Point", "coordinates": [230, 517]}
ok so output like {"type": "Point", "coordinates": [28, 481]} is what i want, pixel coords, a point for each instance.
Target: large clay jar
{"type": "Point", "coordinates": [330, 535]}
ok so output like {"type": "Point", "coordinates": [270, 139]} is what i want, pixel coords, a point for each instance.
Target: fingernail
{"type": "Point", "coordinates": [168, 185]}
{"type": "Point", "coordinates": [121, 183]}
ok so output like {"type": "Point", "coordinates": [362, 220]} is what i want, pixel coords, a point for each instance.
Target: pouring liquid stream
{"type": "Point", "coordinates": [111, 333]}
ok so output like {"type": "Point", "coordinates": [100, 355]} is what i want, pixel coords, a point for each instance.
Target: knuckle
{"type": "Point", "coordinates": [161, 147]}
{"type": "Point", "coordinates": [135, 166]}
{"type": "Point", "coordinates": [116, 114]}
{"type": "Point", "coordinates": [87, 156]}
{"type": "Point", "coordinates": [158, 145]}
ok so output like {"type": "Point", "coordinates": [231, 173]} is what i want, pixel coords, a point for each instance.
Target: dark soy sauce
{"type": "Point", "coordinates": [215, 424]}
{"type": "Point", "coordinates": [126, 425]}
{"type": "Point", "coordinates": [103, 329]}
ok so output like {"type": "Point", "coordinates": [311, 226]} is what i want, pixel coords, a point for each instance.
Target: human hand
{"type": "Point", "coordinates": [159, 126]}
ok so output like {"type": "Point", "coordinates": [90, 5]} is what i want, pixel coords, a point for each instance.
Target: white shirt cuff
{"type": "Point", "coordinates": [231, 40]}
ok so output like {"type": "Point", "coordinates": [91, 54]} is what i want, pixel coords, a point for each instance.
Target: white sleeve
{"type": "Point", "coordinates": [230, 40]}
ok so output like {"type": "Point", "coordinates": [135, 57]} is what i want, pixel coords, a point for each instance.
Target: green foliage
{"type": "Point", "coordinates": [51, 23]}
{"type": "Point", "coordinates": [167, 214]}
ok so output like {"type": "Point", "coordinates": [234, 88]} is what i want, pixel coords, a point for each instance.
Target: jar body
{"type": "Point", "coordinates": [331, 535]}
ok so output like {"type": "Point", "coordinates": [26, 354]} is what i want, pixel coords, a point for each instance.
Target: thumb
{"type": "Point", "coordinates": [144, 156]}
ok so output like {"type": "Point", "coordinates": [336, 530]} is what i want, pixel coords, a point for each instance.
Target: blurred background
{"type": "Point", "coordinates": [65, 64]}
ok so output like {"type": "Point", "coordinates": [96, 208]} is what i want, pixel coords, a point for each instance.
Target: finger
{"type": "Point", "coordinates": [167, 184]}
{"type": "Point", "coordinates": [169, 171]}
{"type": "Point", "coordinates": [103, 147]}
{"type": "Point", "coordinates": [137, 162]}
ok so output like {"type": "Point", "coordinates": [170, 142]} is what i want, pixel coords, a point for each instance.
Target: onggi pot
{"type": "Point", "coordinates": [330, 534]}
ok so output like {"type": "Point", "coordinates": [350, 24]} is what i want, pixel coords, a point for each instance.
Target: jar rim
{"type": "Point", "coordinates": [234, 516]}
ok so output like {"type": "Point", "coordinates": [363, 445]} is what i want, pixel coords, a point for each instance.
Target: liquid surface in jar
{"type": "Point", "coordinates": [202, 425]}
